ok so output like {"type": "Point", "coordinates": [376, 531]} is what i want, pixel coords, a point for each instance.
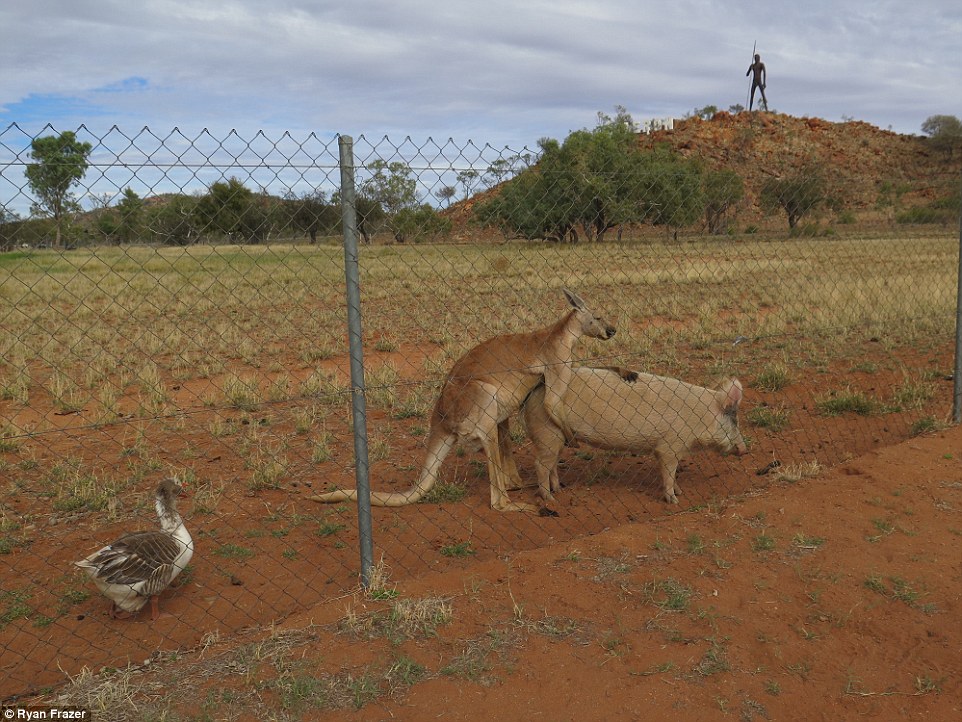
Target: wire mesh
{"type": "Point", "coordinates": [178, 310]}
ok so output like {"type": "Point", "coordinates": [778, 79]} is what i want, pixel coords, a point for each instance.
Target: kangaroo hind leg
{"type": "Point", "coordinates": [488, 430]}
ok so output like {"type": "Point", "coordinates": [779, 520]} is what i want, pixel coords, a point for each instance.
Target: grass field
{"type": "Point", "coordinates": [228, 366]}
{"type": "Point", "coordinates": [151, 318]}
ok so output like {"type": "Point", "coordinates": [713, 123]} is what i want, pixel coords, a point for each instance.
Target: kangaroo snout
{"type": "Point", "coordinates": [610, 331]}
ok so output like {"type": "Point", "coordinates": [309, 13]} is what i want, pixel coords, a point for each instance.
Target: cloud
{"type": "Point", "coordinates": [498, 72]}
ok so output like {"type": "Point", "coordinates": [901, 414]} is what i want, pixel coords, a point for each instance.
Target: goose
{"type": "Point", "coordinates": [140, 565]}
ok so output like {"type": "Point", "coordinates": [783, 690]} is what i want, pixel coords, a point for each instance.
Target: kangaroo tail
{"type": "Point", "coordinates": [438, 447]}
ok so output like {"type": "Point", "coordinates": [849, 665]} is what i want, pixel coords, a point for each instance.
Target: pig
{"type": "Point", "coordinates": [650, 414]}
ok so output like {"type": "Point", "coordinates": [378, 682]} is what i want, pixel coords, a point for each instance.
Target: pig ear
{"type": "Point", "coordinates": [732, 393]}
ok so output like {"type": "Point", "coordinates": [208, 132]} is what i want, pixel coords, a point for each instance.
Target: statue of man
{"type": "Point", "coordinates": [759, 78]}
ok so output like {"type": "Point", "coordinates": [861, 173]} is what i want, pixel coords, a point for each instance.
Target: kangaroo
{"type": "Point", "coordinates": [483, 389]}
{"type": "Point", "coordinates": [654, 413]}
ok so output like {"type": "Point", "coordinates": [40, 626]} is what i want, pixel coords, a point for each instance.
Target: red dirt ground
{"type": "Point", "coordinates": [808, 629]}
{"type": "Point", "coordinates": [829, 598]}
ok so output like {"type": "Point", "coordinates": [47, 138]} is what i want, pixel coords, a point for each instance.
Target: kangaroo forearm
{"type": "Point", "coordinates": [556, 384]}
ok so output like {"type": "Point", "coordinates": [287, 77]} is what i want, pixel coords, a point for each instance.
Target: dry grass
{"type": "Point", "coordinates": [168, 311]}
{"type": "Point", "coordinates": [237, 356]}
{"type": "Point", "coordinates": [406, 619]}
{"type": "Point", "coordinates": [796, 472]}
{"type": "Point", "coordinates": [151, 323]}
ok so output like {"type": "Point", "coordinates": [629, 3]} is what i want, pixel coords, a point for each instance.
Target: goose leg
{"type": "Point", "coordinates": [117, 613]}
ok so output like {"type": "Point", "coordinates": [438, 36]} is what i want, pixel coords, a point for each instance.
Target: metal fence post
{"type": "Point", "coordinates": [358, 406]}
{"type": "Point", "coordinates": [957, 376]}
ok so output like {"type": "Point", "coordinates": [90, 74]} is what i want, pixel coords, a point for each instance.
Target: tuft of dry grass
{"type": "Point", "coordinates": [406, 619]}
{"type": "Point", "coordinates": [242, 392]}
{"type": "Point", "coordinates": [796, 472]}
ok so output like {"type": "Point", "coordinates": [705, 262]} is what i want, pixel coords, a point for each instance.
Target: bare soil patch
{"type": "Point", "coordinates": [836, 592]}
{"type": "Point", "coordinates": [836, 584]}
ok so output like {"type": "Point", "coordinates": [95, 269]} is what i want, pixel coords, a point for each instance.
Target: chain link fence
{"type": "Point", "coordinates": [175, 305]}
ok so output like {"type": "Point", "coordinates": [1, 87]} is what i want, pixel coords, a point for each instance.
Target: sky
{"type": "Point", "coordinates": [492, 72]}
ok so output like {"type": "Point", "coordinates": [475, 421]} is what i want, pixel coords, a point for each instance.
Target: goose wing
{"type": "Point", "coordinates": [142, 558]}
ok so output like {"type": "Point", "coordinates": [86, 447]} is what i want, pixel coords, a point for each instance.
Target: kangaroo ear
{"type": "Point", "coordinates": [574, 299]}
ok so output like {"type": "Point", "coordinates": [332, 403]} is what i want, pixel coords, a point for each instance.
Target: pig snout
{"type": "Point", "coordinates": [736, 443]}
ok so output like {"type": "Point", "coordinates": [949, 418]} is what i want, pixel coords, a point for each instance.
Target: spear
{"type": "Point", "coordinates": [749, 94]}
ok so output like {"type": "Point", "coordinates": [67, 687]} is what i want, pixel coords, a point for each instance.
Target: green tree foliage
{"type": "Point", "coordinates": [706, 113]}
{"type": "Point", "coordinates": [130, 209]}
{"type": "Point", "coordinates": [944, 132]}
{"type": "Point", "coordinates": [594, 181]}
{"type": "Point", "coordinates": [370, 217]}
{"type": "Point", "coordinates": [369, 214]}
{"type": "Point", "coordinates": [419, 224]}
{"type": "Point", "coordinates": [497, 172]}
{"type": "Point", "coordinates": [107, 225]}
{"type": "Point", "coordinates": [591, 179]}
{"type": "Point", "coordinates": [468, 179]}
{"type": "Point", "coordinates": [522, 209]}
{"type": "Point", "coordinates": [232, 210]}
{"type": "Point", "coordinates": [445, 194]}
{"type": "Point", "coordinates": [60, 162]}
{"type": "Point", "coordinates": [312, 214]}
{"type": "Point", "coordinates": [9, 224]}
{"type": "Point", "coordinates": [668, 190]}
{"type": "Point", "coordinates": [390, 185]}
{"type": "Point", "coordinates": [722, 191]}
{"type": "Point", "coordinates": [174, 221]}
{"type": "Point", "coordinates": [944, 210]}
{"type": "Point", "coordinates": [388, 190]}
{"type": "Point", "coordinates": [797, 193]}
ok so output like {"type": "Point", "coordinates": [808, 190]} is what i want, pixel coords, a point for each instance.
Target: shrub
{"type": "Point", "coordinates": [944, 132]}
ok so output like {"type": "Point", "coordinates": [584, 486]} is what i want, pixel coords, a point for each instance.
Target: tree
{"type": "Point", "coordinates": [123, 222]}
{"type": "Point", "coordinates": [370, 215]}
{"type": "Point", "coordinates": [669, 189]}
{"type": "Point", "coordinates": [311, 213]}
{"type": "Point", "coordinates": [522, 209]}
{"type": "Point", "coordinates": [621, 119]}
{"type": "Point", "coordinates": [389, 190]}
{"type": "Point", "coordinates": [99, 201]}
{"type": "Point", "coordinates": [8, 228]}
{"type": "Point", "coordinates": [467, 179]}
{"type": "Point", "coordinates": [797, 193]}
{"type": "Point", "coordinates": [390, 185]}
{"type": "Point", "coordinates": [706, 113]}
{"type": "Point", "coordinates": [944, 131]}
{"type": "Point", "coordinates": [594, 181]}
{"type": "Point", "coordinates": [497, 172]}
{"type": "Point", "coordinates": [588, 182]}
{"type": "Point", "coordinates": [445, 194]}
{"type": "Point", "coordinates": [418, 224]}
{"type": "Point", "coordinates": [722, 190]}
{"type": "Point", "coordinates": [231, 209]}
{"type": "Point", "coordinates": [174, 221]}
{"type": "Point", "coordinates": [131, 210]}
{"type": "Point", "coordinates": [61, 161]}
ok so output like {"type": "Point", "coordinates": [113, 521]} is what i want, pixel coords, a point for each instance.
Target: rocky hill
{"type": "Point", "coordinates": [873, 174]}
{"type": "Point", "coordinates": [860, 159]}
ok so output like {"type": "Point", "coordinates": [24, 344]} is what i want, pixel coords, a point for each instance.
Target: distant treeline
{"type": "Point", "coordinates": [594, 182]}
